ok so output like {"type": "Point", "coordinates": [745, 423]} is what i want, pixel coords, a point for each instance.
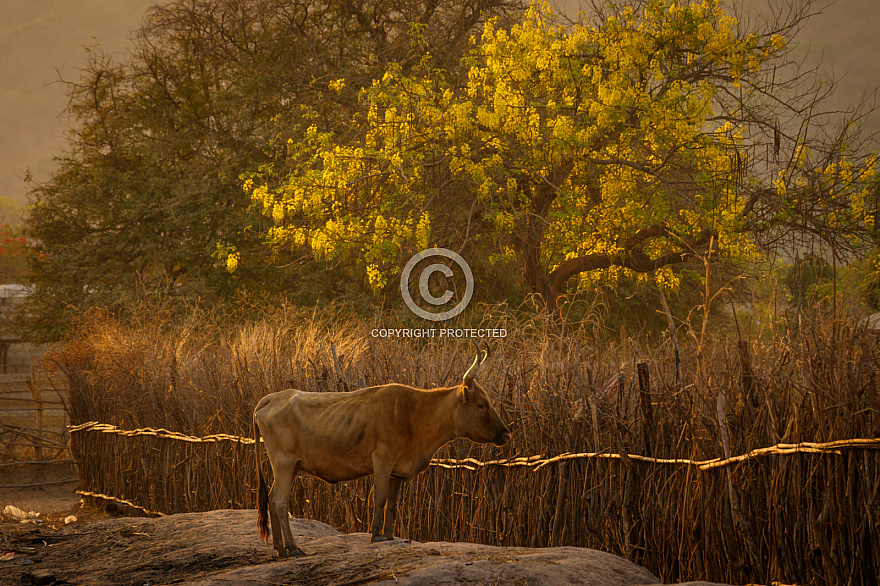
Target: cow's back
{"type": "Point", "coordinates": [329, 435]}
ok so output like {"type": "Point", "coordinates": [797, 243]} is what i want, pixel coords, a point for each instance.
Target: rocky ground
{"type": "Point", "coordinates": [223, 547]}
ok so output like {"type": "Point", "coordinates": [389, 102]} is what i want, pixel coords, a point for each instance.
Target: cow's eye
{"type": "Point", "coordinates": [481, 406]}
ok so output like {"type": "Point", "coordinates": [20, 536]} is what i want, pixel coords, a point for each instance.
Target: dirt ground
{"type": "Point", "coordinates": [223, 547]}
{"type": "Point", "coordinates": [51, 498]}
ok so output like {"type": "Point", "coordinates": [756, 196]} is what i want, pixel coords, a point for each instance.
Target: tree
{"type": "Point", "coordinates": [149, 191]}
{"type": "Point", "coordinates": [805, 277]}
{"type": "Point", "coordinates": [13, 263]}
{"type": "Point", "coordinates": [653, 132]}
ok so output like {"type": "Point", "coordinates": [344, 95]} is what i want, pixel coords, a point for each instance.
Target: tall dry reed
{"type": "Point", "coordinates": [799, 518]}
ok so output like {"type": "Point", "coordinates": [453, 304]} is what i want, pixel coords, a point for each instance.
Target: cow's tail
{"type": "Point", "coordinates": [262, 492]}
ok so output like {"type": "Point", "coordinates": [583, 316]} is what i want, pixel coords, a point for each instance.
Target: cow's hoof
{"type": "Point", "coordinates": [378, 539]}
{"type": "Point", "coordinates": [295, 552]}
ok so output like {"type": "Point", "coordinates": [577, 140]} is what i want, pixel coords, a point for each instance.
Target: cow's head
{"type": "Point", "coordinates": [475, 417]}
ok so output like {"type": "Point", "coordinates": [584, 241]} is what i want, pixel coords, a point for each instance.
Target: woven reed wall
{"type": "Point", "coordinates": [793, 518]}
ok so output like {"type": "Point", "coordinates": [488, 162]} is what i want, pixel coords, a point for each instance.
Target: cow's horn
{"type": "Point", "coordinates": [483, 360]}
{"type": "Point", "coordinates": [475, 368]}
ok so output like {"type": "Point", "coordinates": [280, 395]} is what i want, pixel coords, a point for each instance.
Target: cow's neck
{"type": "Point", "coordinates": [439, 418]}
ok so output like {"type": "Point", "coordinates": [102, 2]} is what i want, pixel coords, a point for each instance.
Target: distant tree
{"type": "Point", "coordinates": [870, 282]}
{"type": "Point", "coordinates": [13, 260]}
{"type": "Point", "coordinates": [805, 278]}
{"type": "Point", "coordinates": [13, 263]}
{"type": "Point", "coordinates": [148, 191]}
{"type": "Point", "coordinates": [653, 132]}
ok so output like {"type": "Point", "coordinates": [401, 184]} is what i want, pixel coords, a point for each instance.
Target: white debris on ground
{"type": "Point", "coordinates": [13, 512]}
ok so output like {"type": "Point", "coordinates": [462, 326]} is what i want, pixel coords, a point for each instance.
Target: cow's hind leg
{"type": "Point", "coordinates": [279, 510]}
{"type": "Point", "coordinates": [391, 507]}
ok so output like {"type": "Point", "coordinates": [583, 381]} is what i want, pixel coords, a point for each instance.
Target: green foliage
{"type": "Point", "coordinates": [621, 147]}
{"type": "Point", "coordinates": [805, 278]}
{"type": "Point", "coordinates": [148, 194]}
{"type": "Point", "coordinates": [622, 151]}
{"type": "Point", "coordinates": [870, 283]}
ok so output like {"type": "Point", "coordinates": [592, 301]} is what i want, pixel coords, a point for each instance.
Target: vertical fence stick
{"type": "Point", "coordinates": [595, 419]}
{"type": "Point", "coordinates": [747, 375]}
{"type": "Point", "coordinates": [559, 515]}
{"type": "Point", "coordinates": [646, 407]}
{"type": "Point", "coordinates": [672, 336]}
{"type": "Point", "coordinates": [38, 418]}
{"type": "Point", "coordinates": [738, 520]}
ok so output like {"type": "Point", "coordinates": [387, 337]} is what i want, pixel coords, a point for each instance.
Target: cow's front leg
{"type": "Point", "coordinates": [381, 482]}
{"type": "Point", "coordinates": [391, 507]}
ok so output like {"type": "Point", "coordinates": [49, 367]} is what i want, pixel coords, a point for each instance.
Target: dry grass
{"type": "Point", "coordinates": [801, 518]}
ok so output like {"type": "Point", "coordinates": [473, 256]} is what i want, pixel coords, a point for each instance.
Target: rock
{"type": "Point", "coordinates": [42, 577]}
{"type": "Point", "coordinates": [223, 547]}
{"type": "Point", "coordinates": [15, 513]}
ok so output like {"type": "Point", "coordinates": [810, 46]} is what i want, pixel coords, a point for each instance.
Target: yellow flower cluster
{"type": "Point", "coordinates": [232, 261]}
{"type": "Point", "coordinates": [608, 119]}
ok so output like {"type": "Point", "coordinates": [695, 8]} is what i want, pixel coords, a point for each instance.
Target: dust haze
{"type": "Point", "coordinates": [40, 41]}
{"type": "Point", "coordinates": [44, 40]}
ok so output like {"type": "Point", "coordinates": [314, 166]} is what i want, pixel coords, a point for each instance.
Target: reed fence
{"type": "Point", "coordinates": [761, 465]}
{"type": "Point", "coordinates": [33, 423]}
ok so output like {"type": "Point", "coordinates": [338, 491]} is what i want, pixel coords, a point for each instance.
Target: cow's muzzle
{"type": "Point", "coordinates": [502, 438]}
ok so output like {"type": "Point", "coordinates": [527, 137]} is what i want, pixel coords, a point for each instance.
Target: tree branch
{"type": "Point", "coordinates": [632, 257]}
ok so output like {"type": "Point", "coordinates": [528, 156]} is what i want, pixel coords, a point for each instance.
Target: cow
{"type": "Point", "coordinates": [390, 431]}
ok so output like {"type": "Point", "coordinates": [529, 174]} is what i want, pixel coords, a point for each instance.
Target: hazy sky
{"type": "Point", "coordinates": [38, 38]}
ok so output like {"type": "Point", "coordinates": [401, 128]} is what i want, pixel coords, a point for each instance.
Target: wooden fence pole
{"type": "Point", "coordinates": [38, 417]}
{"type": "Point", "coordinates": [559, 516]}
{"type": "Point", "coordinates": [739, 520]}
{"type": "Point", "coordinates": [646, 406]}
